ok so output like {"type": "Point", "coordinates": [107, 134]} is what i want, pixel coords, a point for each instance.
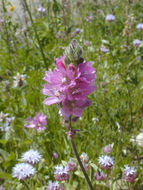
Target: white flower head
{"type": "Point", "coordinates": [129, 170]}
{"type": "Point", "coordinates": [110, 18]}
{"type": "Point", "coordinates": [60, 169]}
{"type": "Point", "coordinates": [31, 156]}
{"type": "Point", "coordinates": [19, 80]}
{"type": "Point", "coordinates": [106, 162]}
{"type": "Point", "coordinates": [22, 171]}
{"type": "Point", "coordinates": [61, 173]}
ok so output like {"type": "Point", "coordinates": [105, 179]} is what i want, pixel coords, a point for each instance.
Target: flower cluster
{"type": "Point", "coordinates": [68, 86]}
{"type": "Point", "coordinates": [38, 122]}
{"type": "Point", "coordinates": [106, 162]}
{"type": "Point", "coordinates": [61, 173]}
{"type": "Point", "coordinates": [5, 122]}
{"type": "Point", "coordinates": [129, 173]}
{"type": "Point", "coordinates": [71, 165]}
{"type": "Point", "coordinates": [23, 170]}
{"type": "Point", "coordinates": [31, 156]}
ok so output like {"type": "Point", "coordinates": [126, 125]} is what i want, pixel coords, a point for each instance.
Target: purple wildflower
{"type": "Point", "coordinates": [68, 86]}
{"type": "Point", "coordinates": [71, 165]}
{"type": "Point", "coordinates": [108, 149]}
{"type": "Point", "coordinates": [136, 42]}
{"type": "Point", "coordinates": [54, 186]}
{"type": "Point", "coordinates": [61, 173]}
{"type": "Point", "coordinates": [77, 30]}
{"type": "Point", "coordinates": [38, 122]}
{"type": "Point", "coordinates": [99, 176]}
{"type": "Point", "coordinates": [139, 26]}
{"type": "Point", "coordinates": [106, 162]}
{"type": "Point", "coordinates": [55, 155]}
{"type": "Point", "coordinates": [129, 173]}
{"type": "Point", "coordinates": [110, 18]}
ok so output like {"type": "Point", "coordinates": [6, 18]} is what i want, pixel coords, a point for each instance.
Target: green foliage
{"type": "Point", "coordinates": [115, 116]}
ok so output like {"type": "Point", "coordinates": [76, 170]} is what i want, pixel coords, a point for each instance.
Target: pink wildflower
{"type": "Point", "coordinates": [38, 122]}
{"type": "Point", "coordinates": [129, 173]}
{"type": "Point", "coordinates": [68, 86]}
{"type": "Point", "coordinates": [61, 173]}
{"type": "Point", "coordinates": [108, 149]}
{"type": "Point", "coordinates": [99, 176]}
{"type": "Point", "coordinates": [55, 155]}
{"type": "Point", "coordinates": [71, 165]}
{"type": "Point", "coordinates": [106, 162]}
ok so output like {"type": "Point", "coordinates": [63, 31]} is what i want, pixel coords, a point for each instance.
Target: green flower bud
{"type": "Point", "coordinates": [73, 53]}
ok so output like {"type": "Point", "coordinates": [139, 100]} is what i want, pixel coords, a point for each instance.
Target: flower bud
{"type": "Point", "coordinates": [73, 53]}
{"type": "Point", "coordinates": [71, 165]}
{"type": "Point", "coordinates": [99, 176]}
{"type": "Point", "coordinates": [108, 149]}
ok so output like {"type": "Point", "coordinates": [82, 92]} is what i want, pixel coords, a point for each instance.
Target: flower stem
{"type": "Point", "coordinates": [81, 165]}
{"type": "Point", "coordinates": [26, 185]}
{"type": "Point", "coordinates": [35, 31]}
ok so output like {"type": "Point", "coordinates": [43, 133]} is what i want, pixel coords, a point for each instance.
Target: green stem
{"type": "Point", "coordinates": [26, 185]}
{"type": "Point", "coordinates": [81, 165]}
{"type": "Point", "coordinates": [6, 31]}
{"type": "Point", "coordinates": [36, 34]}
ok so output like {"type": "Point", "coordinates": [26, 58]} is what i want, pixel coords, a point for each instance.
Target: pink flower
{"type": "Point", "coordinates": [61, 173]}
{"type": "Point", "coordinates": [106, 162]}
{"type": "Point", "coordinates": [129, 173]}
{"type": "Point", "coordinates": [99, 176]}
{"type": "Point", "coordinates": [38, 122]}
{"type": "Point", "coordinates": [68, 86]}
{"type": "Point", "coordinates": [55, 155]}
{"type": "Point", "coordinates": [108, 149]}
{"type": "Point", "coordinates": [71, 165]}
